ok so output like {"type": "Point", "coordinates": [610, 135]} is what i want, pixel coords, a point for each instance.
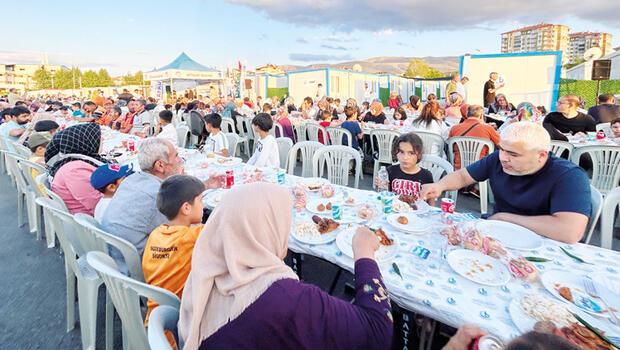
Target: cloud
{"type": "Point", "coordinates": [333, 47]}
{"type": "Point", "coordinates": [301, 41]}
{"type": "Point", "coordinates": [417, 15]}
{"type": "Point", "coordinates": [312, 57]}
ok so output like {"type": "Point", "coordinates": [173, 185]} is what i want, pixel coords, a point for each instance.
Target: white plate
{"type": "Point", "coordinates": [415, 225]}
{"type": "Point", "coordinates": [510, 235]}
{"type": "Point", "coordinates": [348, 214]}
{"type": "Point", "coordinates": [609, 281]}
{"type": "Point", "coordinates": [213, 198]}
{"type": "Point", "coordinates": [422, 207]}
{"type": "Point", "coordinates": [572, 280]}
{"type": "Point", "coordinates": [321, 239]}
{"type": "Point", "coordinates": [344, 242]}
{"type": "Point", "coordinates": [225, 161]}
{"type": "Point", "coordinates": [314, 180]}
{"type": "Point", "coordinates": [494, 272]}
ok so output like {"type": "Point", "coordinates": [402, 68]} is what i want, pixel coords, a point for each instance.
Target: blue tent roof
{"type": "Point", "coordinates": [184, 62]}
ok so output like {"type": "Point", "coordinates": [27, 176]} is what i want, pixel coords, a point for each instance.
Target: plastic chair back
{"type": "Point", "coordinates": [284, 147]}
{"type": "Point", "coordinates": [228, 125]}
{"type": "Point", "coordinates": [182, 131]}
{"type": "Point", "coordinates": [606, 128]}
{"type": "Point", "coordinates": [433, 143]}
{"type": "Point", "coordinates": [382, 141]}
{"type": "Point", "coordinates": [42, 180]}
{"type": "Point", "coordinates": [560, 147]}
{"type": "Point", "coordinates": [22, 150]}
{"type": "Point", "coordinates": [439, 168]}
{"type": "Point", "coordinates": [196, 123]}
{"type": "Point", "coordinates": [605, 165]}
{"type": "Point", "coordinates": [233, 140]}
{"type": "Point", "coordinates": [337, 159]}
{"type": "Point", "coordinates": [608, 217]}
{"type": "Point", "coordinates": [597, 208]}
{"type": "Point", "coordinates": [27, 168]}
{"type": "Point", "coordinates": [126, 293]}
{"type": "Point", "coordinates": [163, 318]}
{"type": "Point", "coordinates": [300, 132]}
{"type": "Point", "coordinates": [337, 134]}
{"type": "Point", "coordinates": [99, 240]}
{"type": "Point", "coordinates": [314, 130]}
{"type": "Point", "coordinates": [307, 149]}
{"type": "Point", "coordinates": [247, 122]}
{"type": "Point", "coordinates": [470, 149]}
{"type": "Point", "coordinates": [277, 130]}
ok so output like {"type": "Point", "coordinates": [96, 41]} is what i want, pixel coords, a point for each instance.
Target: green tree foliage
{"type": "Point", "coordinates": [134, 79]}
{"type": "Point", "coordinates": [104, 78]}
{"type": "Point", "coordinates": [42, 79]}
{"type": "Point", "coordinates": [90, 79]}
{"type": "Point", "coordinates": [418, 68]}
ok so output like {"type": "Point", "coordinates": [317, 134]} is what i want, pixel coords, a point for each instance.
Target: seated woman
{"type": "Point", "coordinates": [567, 120]}
{"type": "Point", "coordinates": [375, 114]}
{"type": "Point", "coordinates": [400, 117]}
{"type": "Point", "coordinates": [393, 100]}
{"type": "Point", "coordinates": [413, 106]}
{"type": "Point", "coordinates": [453, 112]}
{"type": "Point", "coordinates": [430, 120]}
{"type": "Point", "coordinates": [71, 174]}
{"type": "Point", "coordinates": [501, 105]}
{"type": "Point", "coordinates": [281, 118]}
{"type": "Point", "coordinates": [240, 294]}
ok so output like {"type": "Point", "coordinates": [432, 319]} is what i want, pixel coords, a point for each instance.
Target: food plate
{"type": "Point", "coordinates": [421, 207]}
{"type": "Point", "coordinates": [510, 235]}
{"type": "Point", "coordinates": [213, 198]}
{"type": "Point", "coordinates": [302, 231]}
{"type": "Point", "coordinates": [478, 267]}
{"type": "Point", "coordinates": [552, 280]}
{"type": "Point", "coordinates": [344, 241]}
{"type": "Point", "coordinates": [609, 281]}
{"type": "Point", "coordinates": [313, 184]}
{"type": "Point", "coordinates": [225, 161]}
{"type": "Point", "coordinates": [349, 214]}
{"type": "Point", "coordinates": [414, 224]}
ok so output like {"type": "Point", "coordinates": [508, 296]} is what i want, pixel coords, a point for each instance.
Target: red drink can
{"type": "Point", "coordinates": [487, 342]}
{"type": "Point", "coordinates": [600, 135]}
{"type": "Point", "coordinates": [447, 205]}
{"type": "Point", "coordinates": [131, 145]}
{"type": "Point", "coordinates": [230, 178]}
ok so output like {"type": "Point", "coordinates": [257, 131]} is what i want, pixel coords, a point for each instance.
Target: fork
{"type": "Point", "coordinates": [593, 292]}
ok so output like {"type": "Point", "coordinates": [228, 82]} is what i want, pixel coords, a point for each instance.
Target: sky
{"type": "Point", "coordinates": [126, 36]}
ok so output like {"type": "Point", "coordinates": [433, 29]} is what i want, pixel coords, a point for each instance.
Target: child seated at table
{"type": "Point", "coordinates": [615, 130]}
{"type": "Point", "coordinates": [407, 177]}
{"type": "Point", "coordinates": [167, 258]}
{"type": "Point", "coordinates": [37, 142]}
{"type": "Point", "coordinates": [217, 142]}
{"type": "Point", "coordinates": [266, 154]}
{"type": "Point", "coordinates": [106, 180]}
{"type": "Point", "coordinates": [353, 125]}
{"type": "Point", "coordinates": [326, 121]}
{"type": "Point", "coordinates": [400, 117]}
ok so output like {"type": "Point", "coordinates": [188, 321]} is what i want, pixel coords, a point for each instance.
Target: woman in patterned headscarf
{"type": "Point", "coordinates": [73, 155]}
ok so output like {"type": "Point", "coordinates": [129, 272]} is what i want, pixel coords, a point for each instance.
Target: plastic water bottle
{"type": "Point", "coordinates": [383, 180]}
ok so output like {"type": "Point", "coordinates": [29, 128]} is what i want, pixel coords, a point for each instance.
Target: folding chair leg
{"type": "Point", "coordinates": [109, 322]}
{"type": "Point", "coordinates": [20, 209]}
{"type": "Point", "coordinates": [70, 277]}
{"type": "Point", "coordinates": [39, 219]}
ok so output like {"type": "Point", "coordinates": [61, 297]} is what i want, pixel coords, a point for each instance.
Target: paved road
{"type": "Point", "coordinates": [32, 287]}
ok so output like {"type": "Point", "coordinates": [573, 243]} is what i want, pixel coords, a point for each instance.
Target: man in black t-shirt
{"type": "Point", "coordinates": [490, 88]}
{"type": "Point", "coordinates": [606, 111]}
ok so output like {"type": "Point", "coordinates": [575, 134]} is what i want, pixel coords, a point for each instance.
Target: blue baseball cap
{"type": "Point", "coordinates": [108, 173]}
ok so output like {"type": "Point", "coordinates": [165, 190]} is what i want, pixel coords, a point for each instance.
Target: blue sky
{"type": "Point", "coordinates": [126, 36]}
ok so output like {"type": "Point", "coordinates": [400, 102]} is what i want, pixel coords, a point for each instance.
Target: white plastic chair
{"type": "Point", "coordinates": [433, 143]}
{"type": "Point", "coordinates": [300, 132]}
{"type": "Point", "coordinates": [605, 127]}
{"type": "Point", "coordinates": [50, 236]}
{"type": "Point", "coordinates": [336, 134]}
{"type": "Point", "coordinates": [126, 294]}
{"type": "Point", "coordinates": [88, 282]}
{"type": "Point", "coordinates": [163, 318]}
{"type": "Point", "coordinates": [250, 132]}
{"type": "Point", "coordinates": [3, 148]}
{"type": "Point", "coordinates": [314, 130]}
{"type": "Point", "coordinates": [182, 135]}
{"type": "Point", "coordinates": [284, 147]}
{"type": "Point", "coordinates": [608, 217]}
{"type": "Point", "coordinates": [233, 141]}
{"type": "Point", "coordinates": [243, 137]}
{"type": "Point", "coordinates": [22, 150]}
{"type": "Point", "coordinates": [559, 147]}
{"type": "Point", "coordinates": [277, 130]}
{"type": "Point", "coordinates": [337, 159]}
{"type": "Point", "coordinates": [597, 208]}
{"type": "Point", "coordinates": [100, 240]}
{"type": "Point", "coordinates": [470, 150]}
{"type": "Point", "coordinates": [605, 165]}
{"type": "Point", "coordinates": [381, 142]}
{"type": "Point", "coordinates": [27, 167]}
{"type": "Point", "coordinates": [307, 149]}
{"type": "Point", "coordinates": [24, 195]}
{"type": "Point", "coordinates": [228, 125]}
{"type": "Point", "coordinates": [438, 167]}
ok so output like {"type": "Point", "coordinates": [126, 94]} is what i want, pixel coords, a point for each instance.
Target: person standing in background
{"type": "Point", "coordinates": [490, 88]}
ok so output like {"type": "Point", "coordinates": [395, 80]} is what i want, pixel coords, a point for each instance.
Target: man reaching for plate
{"type": "Point", "coordinates": [532, 187]}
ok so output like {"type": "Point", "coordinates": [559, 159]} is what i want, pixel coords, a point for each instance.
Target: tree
{"type": "Point", "coordinates": [571, 65]}
{"type": "Point", "coordinates": [104, 78]}
{"type": "Point", "coordinates": [418, 68]}
{"type": "Point", "coordinates": [67, 78]}
{"type": "Point", "coordinates": [135, 79]}
{"type": "Point", "coordinates": [42, 79]}
{"type": "Point", "coordinates": [90, 79]}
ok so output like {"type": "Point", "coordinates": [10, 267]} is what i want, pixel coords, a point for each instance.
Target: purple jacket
{"type": "Point", "coordinates": [294, 315]}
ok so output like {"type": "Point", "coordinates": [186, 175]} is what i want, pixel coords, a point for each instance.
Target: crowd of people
{"type": "Point", "coordinates": [236, 291]}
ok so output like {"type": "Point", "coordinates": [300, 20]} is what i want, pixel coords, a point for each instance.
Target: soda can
{"type": "Point", "coordinates": [336, 211]}
{"type": "Point", "coordinates": [600, 135]}
{"type": "Point", "coordinates": [447, 205]}
{"type": "Point", "coordinates": [387, 199]}
{"type": "Point", "coordinates": [416, 250]}
{"type": "Point", "coordinates": [281, 177]}
{"type": "Point", "coordinates": [230, 178]}
{"type": "Point", "coordinates": [131, 145]}
{"type": "Point", "coordinates": [487, 342]}
{"type": "Point", "coordinates": [424, 253]}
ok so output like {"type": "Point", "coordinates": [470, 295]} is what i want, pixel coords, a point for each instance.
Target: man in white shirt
{"type": "Point", "coordinates": [367, 93]}
{"type": "Point", "coordinates": [267, 154]}
{"type": "Point", "coordinates": [460, 87]}
{"type": "Point", "coordinates": [217, 142]}
{"type": "Point", "coordinates": [142, 120]}
{"type": "Point", "coordinates": [320, 91]}
{"type": "Point", "coordinates": [166, 128]}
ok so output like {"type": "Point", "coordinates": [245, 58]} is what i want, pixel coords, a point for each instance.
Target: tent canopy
{"type": "Point", "coordinates": [183, 67]}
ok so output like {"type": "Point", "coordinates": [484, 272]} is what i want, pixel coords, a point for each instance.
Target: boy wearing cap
{"type": "Point", "coordinates": [106, 180]}
{"type": "Point", "coordinates": [37, 142]}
